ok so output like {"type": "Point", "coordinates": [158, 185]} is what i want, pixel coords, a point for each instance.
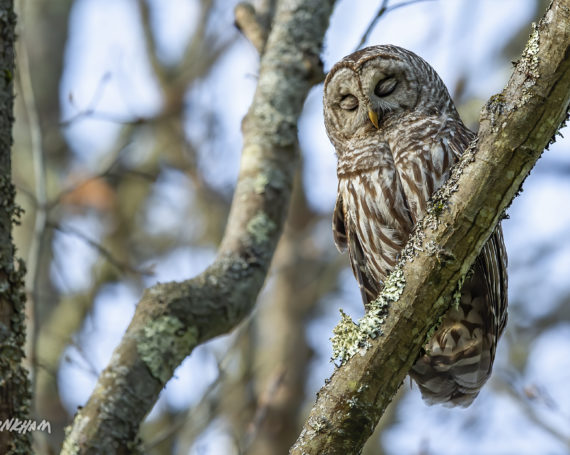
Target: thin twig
{"type": "Point", "coordinates": [384, 8]}
{"type": "Point", "coordinates": [372, 24]}
{"type": "Point", "coordinates": [90, 111]}
{"type": "Point", "coordinates": [89, 366]}
{"type": "Point", "coordinates": [121, 266]}
{"type": "Point", "coordinates": [275, 382]}
{"type": "Point", "coordinates": [150, 43]}
{"type": "Point", "coordinates": [102, 116]}
{"type": "Point", "coordinates": [112, 159]}
{"type": "Point", "coordinates": [204, 403]}
{"type": "Point", "coordinates": [530, 411]}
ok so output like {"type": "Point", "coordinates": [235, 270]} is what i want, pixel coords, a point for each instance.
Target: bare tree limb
{"type": "Point", "coordinates": [515, 127]}
{"type": "Point", "coordinates": [172, 318]}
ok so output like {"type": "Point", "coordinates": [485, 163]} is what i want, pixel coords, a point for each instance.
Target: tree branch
{"type": "Point", "coordinates": [515, 127]}
{"type": "Point", "coordinates": [172, 318]}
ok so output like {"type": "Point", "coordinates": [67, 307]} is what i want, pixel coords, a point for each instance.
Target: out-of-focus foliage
{"type": "Point", "coordinates": [127, 150]}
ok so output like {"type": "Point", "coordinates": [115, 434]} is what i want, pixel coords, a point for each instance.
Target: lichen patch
{"type": "Point", "coordinates": [351, 337]}
{"type": "Point", "coordinates": [165, 342]}
{"type": "Point", "coordinates": [260, 227]}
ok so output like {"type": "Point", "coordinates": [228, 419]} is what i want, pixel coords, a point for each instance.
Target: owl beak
{"type": "Point", "coordinates": [373, 116]}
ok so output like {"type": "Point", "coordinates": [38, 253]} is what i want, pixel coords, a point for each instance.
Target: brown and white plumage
{"type": "Point", "coordinates": [397, 134]}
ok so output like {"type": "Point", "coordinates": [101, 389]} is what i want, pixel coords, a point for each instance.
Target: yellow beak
{"type": "Point", "coordinates": [373, 116]}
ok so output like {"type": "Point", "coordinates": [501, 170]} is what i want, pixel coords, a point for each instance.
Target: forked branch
{"type": "Point", "coordinates": [172, 318]}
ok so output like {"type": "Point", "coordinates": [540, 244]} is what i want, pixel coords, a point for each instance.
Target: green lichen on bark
{"type": "Point", "coordinates": [164, 344]}
{"type": "Point", "coordinates": [351, 337]}
{"type": "Point", "coordinates": [269, 179]}
{"type": "Point", "coordinates": [260, 227]}
{"type": "Point", "coordinates": [70, 446]}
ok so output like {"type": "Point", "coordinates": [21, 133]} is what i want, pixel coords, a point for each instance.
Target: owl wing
{"type": "Point", "coordinates": [343, 238]}
{"type": "Point", "coordinates": [493, 262]}
{"type": "Point", "coordinates": [458, 359]}
{"type": "Point", "coordinates": [424, 156]}
{"type": "Point", "coordinates": [338, 226]}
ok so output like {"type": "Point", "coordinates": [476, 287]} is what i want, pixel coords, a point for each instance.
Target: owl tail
{"type": "Point", "coordinates": [459, 357]}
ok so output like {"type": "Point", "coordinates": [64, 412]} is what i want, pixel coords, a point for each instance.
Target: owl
{"type": "Point", "coordinates": [397, 134]}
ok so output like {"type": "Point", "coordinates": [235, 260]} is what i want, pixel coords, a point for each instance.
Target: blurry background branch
{"type": "Point", "coordinates": [516, 126]}
{"type": "Point", "coordinates": [171, 319]}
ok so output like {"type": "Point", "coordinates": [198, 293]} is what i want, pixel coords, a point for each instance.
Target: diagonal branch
{"type": "Point", "coordinates": [516, 126]}
{"type": "Point", "coordinates": [172, 318]}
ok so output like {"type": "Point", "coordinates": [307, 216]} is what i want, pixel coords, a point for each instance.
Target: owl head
{"type": "Point", "coordinates": [375, 86]}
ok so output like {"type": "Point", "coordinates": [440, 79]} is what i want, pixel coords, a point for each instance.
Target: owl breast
{"type": "Point", "coordinates": [380, 224]}
{"type": "Point", "coordinates": [385, 185]}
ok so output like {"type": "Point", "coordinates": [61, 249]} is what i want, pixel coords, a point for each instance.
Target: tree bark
{"type": "Point", "coordinates": [172, 318]}
{"type": "Point", "coordinates": [14, 382]}
{"type": "Point", "coordinates": [515, 127]}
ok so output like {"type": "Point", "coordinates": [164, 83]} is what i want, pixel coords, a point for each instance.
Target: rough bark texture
{"type": "Point", "coordinates": [515, 127]}
{"type": "Point", "coordinates": [14, 383]}
{"type": "Point", "coordinates": [173, 318]}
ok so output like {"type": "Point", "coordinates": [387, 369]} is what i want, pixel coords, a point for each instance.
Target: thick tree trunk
{"type": "Point", "coordinates": [14, 383]}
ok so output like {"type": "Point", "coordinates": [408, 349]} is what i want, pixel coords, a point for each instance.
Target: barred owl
{"type": "Point", "coordinates": [397, 133]}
